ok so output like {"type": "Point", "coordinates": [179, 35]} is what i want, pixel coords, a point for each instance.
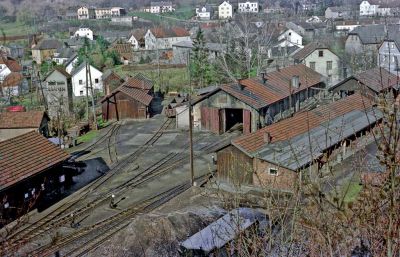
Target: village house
{"type": "Point", "coordinates": [369, 83]}
{"type": "Point", "coordinates": [338, 12]}
{"type": "Point", "coordinates": [378, 8]}
{"type": "Point", "coordinates": [389, 53]}
{"type": "Point", "coordinates": [204, 12]}
{"type": "Point", "coordinates": [306, 29]}
{"type": "Point", "coordinates": [45, 50]}
{"type": "Point", "coordinates": [225, 10]}
{"type": "Point", "coordinates": [124, 50]}
{"type": "Point", "coordinates": [84, 33]}
{"type": "Point", "coordinates": [160, 7]}
{"type": "Point", "coordinates": [283, 155]}
{"type": "Point", "coordinates": [248, 7]}
{"type": "Point", "coordinates": [58, 93]}
{"type": "Point", "coordinates": [289, 38]}
{"type": "Point", "coordinates": [71, 13]}
{"type": "Point", "coordinates": [137, 39]}
{"type": "Point", "coordinates": [367, 39]}
{"type": "Point", "coordinates": [31, 167]}
{"type": "Point", "coordinates": [62, 55]}
{"type": "Point", "coordinates": [12, 50]}
{"type": "Point", "coordinates": [183, 49]}
{"type": "Point", "coordinates": [86, 13]}
{"type": "Point", "coordinates": [319, 57]}
{"type": "Point", "coordinates": [164, 38]}
{"type": "Point", "coordinates": [71, 63]}
{"type": "Point", "coordinates": [7, 66]}
{"type": "Point", "coordinates": [131, 100]}
{"type": "Point", "coordinates": [13, 85]}
{"type": "Point", "coordinates": [257, 102]}
{"type": "Point", "coordinates": [13, 124]}
{"type": "Point", "coordinates": [79, 80]}
{"type": "Point", "coordinates": [105, 13]}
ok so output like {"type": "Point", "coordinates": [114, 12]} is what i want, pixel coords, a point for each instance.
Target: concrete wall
{"type": "Point", "coordinates": [58, 93]}
{"type": "Point", "coordinates": [389, 57]}
{"type": "Point", "coordinates": [321, 65]}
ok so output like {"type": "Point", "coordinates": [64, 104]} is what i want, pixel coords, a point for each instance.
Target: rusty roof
{"type": "Point", "coordinates": [377, 79]}
{"type": "Point", "coordinates": [277, 87]}
{"type": "Point", "coordinates": [12, 80]}
{"type": "Point", "coordinates": [137, 94]}
{"type": "Point", "coordinates": [27, 155]}
{"type": "Point", "coordinates": [301, 122]}
{"type": "Point", "coordinates": [12, 64]}
{"type": "Point", "coordinates": [16, 120]}
{"type": "Point", "coordinates": [138, 83]}
{"type": "Point", "coordinates": [169, 32]}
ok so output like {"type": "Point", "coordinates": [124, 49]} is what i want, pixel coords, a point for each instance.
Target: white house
{"type": "Point", "coordinates": [160, 7]}
{"type": "Point", "coordinates": [85, 13]}
{"type": "Point", "coordinates": [7, 66]}
{"type": "Point", "coordinates": [137, 38]}
{"type": "Point", "coordinates": [83, 32]}
{"type": "Point", "coordinates": [248, 7]}
{"type": "Point", "coordinates": [372, 8]}
{"type": "Point", "coordinates": [164, 38]}
{"type": "Point", "coordinates": [289, 38]}
{"type": "Point", "coordinates": [204, 12]}
{"type": "Point", "coordinates": [62, 55]}
{"type": "Point", "coordinates": [71, 63]}
{"type": "Point", "coordinates": [79, 80]}
{"type": "Point", "coordinates": [225, 10]}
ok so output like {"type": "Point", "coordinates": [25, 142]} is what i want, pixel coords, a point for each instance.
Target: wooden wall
{"type": "Point", "coordinates": [234, 166]}
{"type": "Point", "coordinates": [126, 108]}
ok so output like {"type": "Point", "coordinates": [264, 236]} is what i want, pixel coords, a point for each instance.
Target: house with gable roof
{"type": "Point", "coordinates": [164, 38]}
{"type": "Point", "coordinates": [79, 80]}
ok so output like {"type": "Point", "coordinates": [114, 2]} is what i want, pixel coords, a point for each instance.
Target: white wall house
{"type": "Point", "coordinates": [164, 38]}
{"type": "Point", "coordinates": [85, 13]}
{"type": "Point", "coordinates": [70, 64]}
{"type": "Point", "coordinates": [79, 80]}
{"type": "Point", "coordinates": [203, 13]}
{"type": "Point", "coordinates": [160, 7]}
{"type": "Point", "coordinates": [83, 32]}
{"type": "Point", "coordinates": [134, 42]}
{"type": "Point", "coordinates": [291, 37]}
{"type": "Point", "coordinates": [225, 10]}
{"type": "Point", "coordinates": [248, 7]}
{"type": "Point", "coordinates": [367, 9]}
{"type": "Point", "coordinates": [4, 72]}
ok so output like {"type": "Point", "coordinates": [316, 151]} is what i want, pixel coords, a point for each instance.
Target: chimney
{"type": "Point", "coordinates": [263, 77]}
{"type": "Point", "coordinates": [295, 83]}
{"type": "Point", "coordinates": [267, 137]}
{"type": "Point", "coordinates": [277, 68]}
{"type": "Point", "coordinates": [242, 87]}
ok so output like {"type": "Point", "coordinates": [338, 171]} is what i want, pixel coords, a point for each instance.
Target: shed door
{"type": "Point", "coordinates": [246, 121]}
{"type": "Point", "coordinates": [210, 119]}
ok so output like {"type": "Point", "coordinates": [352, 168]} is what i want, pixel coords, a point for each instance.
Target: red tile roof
{"type": "Point", "coordinates": [309, 49]}
{"type": "Point", "coordinates": [277, 87]}
{"type": "Point", "coordinates": [301, 122]}
{"type": "Point", "coordinates": [170, 32]}
{"type": "Point", "coordinates": [25, 156]}
{"type": "Point", "coordinates": [13, 120]}
{"type": "Point", "coordinates": [137, 94]}
{"type": "Point", "coordinates": [12, 80]}
{"type": "Point", "coordinates": [12, 64]}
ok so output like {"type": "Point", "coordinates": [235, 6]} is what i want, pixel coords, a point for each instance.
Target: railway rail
{"type": "Point", "coordinates": [60, 215]}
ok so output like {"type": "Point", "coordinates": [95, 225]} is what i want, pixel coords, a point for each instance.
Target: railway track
{"type": "Point", "coordinates": [92, 236]}
{"type": "Point", "coordinates": [112, 144]}
{"type": "Point", "coordinates": [60, 215]}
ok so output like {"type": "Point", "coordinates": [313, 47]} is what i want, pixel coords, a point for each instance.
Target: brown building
{"type": "Point", "coordinates": [257, 102]}
{"type": "Point", "coordinates": [370, 82]}
{"type": "Point", "coordinates": [111, 81]}
{"type": "Point", "coordinates": [273, 156]}
{"type": "Point", "coordinates": [132, 100]}
{"type": "Point", "coordinates": [30, 166]}
{"type": "Point", "coordinates": [13, 124]}
{"type": "Point", "coordinates": [45, 50]}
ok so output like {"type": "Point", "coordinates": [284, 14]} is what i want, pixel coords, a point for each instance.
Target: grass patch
{"type": "Point", "coordinates": [88, 136]}
{"type": "Point", "coordinates": [351, 191]}
{"type": "Point", "coordinates": [171, 79]}
{"type": "Point", "coordinates": [15, 28]}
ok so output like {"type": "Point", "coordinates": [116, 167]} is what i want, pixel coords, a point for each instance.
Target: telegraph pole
{"type": "Point", "coordinates": [87, 91]}
{"type": "Point", "coordinates": [190, 125]}
{"type": "Point", "coordinates": [92, 93]}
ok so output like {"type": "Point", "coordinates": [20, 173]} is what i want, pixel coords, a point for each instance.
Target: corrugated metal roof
{"type": "Point", "coordinates": [301, 122]}
{"type": "Point", "coordinates": [301, 150]}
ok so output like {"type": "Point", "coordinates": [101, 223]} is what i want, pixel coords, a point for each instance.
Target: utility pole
{"type": "Point", "coordinates": [87, 91]}
{"type": "Point", "coordinates": [92, 93]}
{"type": "Point", "coordinates": [190, 125]}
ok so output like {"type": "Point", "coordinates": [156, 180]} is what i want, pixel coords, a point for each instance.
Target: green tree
{"type": "Point", "coordinates": [199, 66]}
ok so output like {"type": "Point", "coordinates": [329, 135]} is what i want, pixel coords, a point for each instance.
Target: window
{"type": "Point", "coordinates": [273, 171]}
{"type": "Point", "coordinates": [80, 82]}
{"type": "Point", "coordinates": [329, 65]}
{"type": "Point", "coordinates": [81, 92]}
{"type": "Point", "coordinates": [96, 81]}
{"type": "Point", "coordinates": [392, 45]}
{"type": "Point", "coordinates": [321, 53]}
{"type": "Point", "coordinates": [312, 65]}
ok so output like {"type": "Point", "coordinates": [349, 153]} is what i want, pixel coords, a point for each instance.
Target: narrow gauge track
{"type": "Point", "coordinates": [112, 146]}
{"type": "Point", "coordinates": [56, 218]}
{"type": "Point", "coordinates": [100, 231]}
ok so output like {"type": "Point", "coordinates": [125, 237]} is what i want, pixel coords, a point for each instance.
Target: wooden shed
{"type": "Point", "coordinates": [131, 100]}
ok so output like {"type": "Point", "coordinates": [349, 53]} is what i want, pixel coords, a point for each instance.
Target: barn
{"type": "Point", "coordinates": [131, 100]}
{"type": "Point", "coordinates": [30, 167]}
{"type": "Point", "coordinates": [257, 102]}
